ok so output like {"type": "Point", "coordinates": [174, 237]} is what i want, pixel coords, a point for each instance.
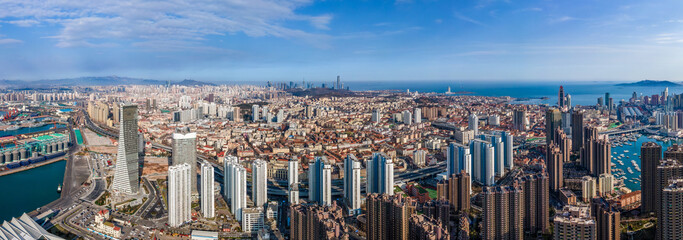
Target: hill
{"type": "Point", "coordinates": [650, 83]}
{"type": "Point", "coordinates": [95, 81]}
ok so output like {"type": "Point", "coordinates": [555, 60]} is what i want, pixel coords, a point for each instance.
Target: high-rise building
{"type": "Point", "coordinates": [577, 130]}
{"type": "Point", "coordinates": [587, 154]}
{"type": "Point", "coordinates": [126, 175]}
{"type": "Point", "coordinates": [376, 115]}
{"type": "Point", "coordinates": [320, 181]}
{"type": "Point", "coordinates": [560, 97]}
{"type": "Point", "coordinates": [179, 196]}
{"type": "Point", "coordinates": [458, 158]}
{"type": "Point", "coordinates": [419, 157]}
{"type": "Point", "coordinates": [388, 216]}
{"type": "Point", "coordinates": [536, 191]}
{"type": "Point", "coordinates": [439, 210]}
{"type": "Point", "coordinates": [456, 189]}
{"type": "Point", "coordinates": [255, 113]}
{"type": "Point", "coordinates": [482, 161]}
{"type": "Point", "coordinates": [473, 123]}
{"type": "Point", "coordinates": [596, 153]}
{"type": "Point", "coordinates": [667, 170]}
{"type": "Point", "coordinates": [352, 184]}
{"type": "Point", "coordinates": [670, 218]}
{"type": "Point", "coordinates": [675, 152]}
{"type": "Point", "coordinates": [313, 221]}
{"type": "Point", "coordinates": [608, 219]}
{"type": "Point", "coordinates": [380, 174]}
{"type": "Point", "coordinates": [407, 117]}
{"type": "Point", "coordinates": [565, 144]}
{"type": "Point", "coordinates": [508, 152]}
{"type": "Point", "coordinates": [185, 151]}
{"type": "Point", "coordinates": [519, 120]}
{"type": "Point", "coordinates": [418, 115]}
{"type": "Point", "coordinates": [605, 184]}
{"type": "Point", "coordinates": [498, 156]}
{"type": "Point", "coordinates": [502, 213]}
{"type": "Point", "coordinates": [588, 188]}
{"type": "Point", "coordinates": [293, 180]}
{"type": "Point", "coordinates": [553, 120]}
{"type": "Point", "coordinates": [575, 223]}
{"type": "Point", "coordinates": [235, 177]}
{"type": "Point", "coordinates": [555, 164]}
{"type": "Point", "coordinates": [650, 155]}
{"type": "Point", "coordinates": [207, 185]}
{"type": "Point", "coordinates": [252, 219]}
{"type": "Point", "coordinates": [259, 182]}
{"type": "Point", "coordinates": [423, 227]}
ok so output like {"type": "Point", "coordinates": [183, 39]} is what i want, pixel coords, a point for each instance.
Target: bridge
{"type": "Point", "coordinates": [650, 129]}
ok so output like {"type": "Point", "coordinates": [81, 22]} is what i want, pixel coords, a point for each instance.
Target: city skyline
{"type": "Point", "coordinates": [375, 40]}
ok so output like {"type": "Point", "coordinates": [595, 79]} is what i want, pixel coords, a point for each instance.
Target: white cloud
{"type": "Point", "coordinates": [99, 23]}
{"type": "Point", "coordinates": [467, 19]}
{"type": "Point", "coordinates": [9, 41]}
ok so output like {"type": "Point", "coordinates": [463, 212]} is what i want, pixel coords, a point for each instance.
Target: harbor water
{"type": "Point", "coordinates": [631, 152]}
{"type": "Point", "coordinates": [28, 190]}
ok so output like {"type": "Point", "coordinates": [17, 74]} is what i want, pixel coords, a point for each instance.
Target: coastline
{"type": "Point", "coordinates": [32, 166]}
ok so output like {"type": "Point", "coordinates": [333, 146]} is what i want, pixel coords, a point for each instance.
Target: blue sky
{"type": "Point", "coordinates": [373, 40]}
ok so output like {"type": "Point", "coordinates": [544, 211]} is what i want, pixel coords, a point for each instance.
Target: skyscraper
{"type": "Point", "coordinates": [605, 184]}
{"type": "Point", "coordinates": [207, 184]}
{"type": "Point", "coordinates": [388, 216]}
{"type": "Point", "coordinates": [352, 184]}
{"type": "Point", "coordinates": [418, 115]}
{"type": "Point", "coordinates": [126, 175]}
{"type": "Point", "coordinates": [320, 181]}
{"type": "Point", "coordinates": [254, 112]}
{"type": "Point", "coordinates": [560, 97]}
{"type": "Point", "coordinates": [185, 151]}
{"type": "Point", "coordinates": [456, 189]}
{"type": "Point", "coordinates": [179, 209]}
{"type": "Point", "coordinates": [502, 213]}
{"type": "Point", "coordinates": [259, 182]}
{"type": "Point", "coordinates": [555, 164]}
{"type": "Point", "coordinates": [407, 117]}
{"type": "Point", "coordinates": [508, 152]}
{"type": "Point", "coordinates": [458, 158]}
{"type": "Point", "coordinates": [483, 162]}
{"type": "Point", "coordinates": [519, 120]}
{"type": "Point", "coordinates": [670, 219]}
{"type": "Point", "coordinates": [650, 155]}
{"type": "Point", "coordinates": [574, 223]}
{"type": "Point", "coordinates": [675, 152]}
{"type": "Point", "coordinates": [317, 222]}
{"type": "Point", "coordinates": [553, 120]}
{"type": "Point", "coordinates": [473, 123]}
{"type": "Point", "coordinates": [608, 219]}
{"type": "Point", "coordinates": [588, 188]}
{"type": "Point", "coordinates": [667, 170]}
{"type": "Point", "coordinates": [577, 130]}
{"type": "Point", "coordinates": [376, 115]}
{"type": "Point", "coordinates": [235, 177]}
{"type": "Point", "coordinates": [536, 201]}
{"type": "Point", "coordinates": [423, 227]}
{"type": "Point", "coordinates": [380, 174]}
{"type": "Point", "coordinates": [293, 180]}
{"type": "Point", "coordinates": [498, 156]}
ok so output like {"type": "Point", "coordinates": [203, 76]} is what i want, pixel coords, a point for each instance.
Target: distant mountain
{"type": "Point", "coordinates": [95, 81]}
{"type": "Point", "coordinates": [190, 82]}
{"type": "Point", "coordinates": [650, 83]}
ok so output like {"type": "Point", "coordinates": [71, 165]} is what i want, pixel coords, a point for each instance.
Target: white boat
{"type": "Point", "coordinates": [629, 170]}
